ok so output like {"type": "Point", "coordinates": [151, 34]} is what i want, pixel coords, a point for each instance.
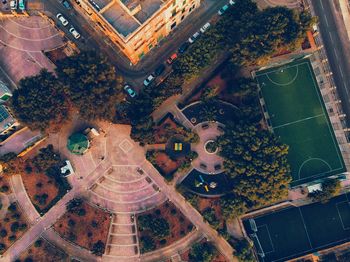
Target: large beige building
{"type": "Point", "coordinates": [136, 26]}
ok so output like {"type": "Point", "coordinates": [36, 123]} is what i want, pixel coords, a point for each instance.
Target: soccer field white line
{"type": "Point", "coordinates": [341, 220]}
{"type": "Point", "coordinates": [315, 158]}
{"type": "Point", "coordinates": [307, 233]}
{"type": "Point", "coordinates": [298, 121]}
{"type": "Point", "coordinates": [268, 232]}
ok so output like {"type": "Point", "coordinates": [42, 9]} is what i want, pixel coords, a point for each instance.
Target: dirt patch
{"type": "Point", "coordinates": [12, 227]}
{"type": "Point", "coordinates": [41, 189]}
{"type": "Point", "coordinates": [179, 225]}
{"type": "Point", "coordinates": [56, 54]}
{"type": "Point", "coordinates": [165, 164]}
{"type": "Point", "coordinates": [41, 250]}
{"type": "Point", "coordinates": [87, 229]}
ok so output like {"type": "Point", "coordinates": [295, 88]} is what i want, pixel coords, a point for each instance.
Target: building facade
{"type": "Point", "coordinates": [136, 26]}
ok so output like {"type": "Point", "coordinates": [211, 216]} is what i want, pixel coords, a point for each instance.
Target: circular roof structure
{"type": "Point", "coordinates": [78, 144]}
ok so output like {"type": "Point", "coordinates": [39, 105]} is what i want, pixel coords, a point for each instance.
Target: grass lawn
{"type": "Point", "coordinates": [41, 250]}
{"type": "Point", "coordinates": [12, 227]}
{"type": "Point", "coordinates": [87, 229]}
{"type": "Point", "coordinates": [179, 225]}
{"type": "Point", "coordinates": [298, 116]}
{"type": "Point", "coordinates": [296, 231]}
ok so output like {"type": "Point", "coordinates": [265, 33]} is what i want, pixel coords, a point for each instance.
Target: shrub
{"type": "Point", "coordinates": [3, 233]}
{"type": "Point", "coordinates": [2, 247]}
{"type": "Point", "coordinates": [14, 227]}
{"type": "Point", "coordinates": [38, 243]}
{"type": "Point", "coordinates": [81, 212]}
{"type": "Point", "coordinates": [71, 223]}
{"type": "Point", "coordinates": [147, 244]}
{"type": "Point", "coordinates": [98, 248]}
{"type": "Point", "coordinates": [89, 234]}
{"type": "Point", "coordinates": [39, 185]}
{"type": "Point", "coordinates": [28, 169]}
{"type": "Point", "coordinates": [162, 242]}
{"type": "Point", "coordinates": [94, 224]}
{"type": "Point", "coordinates": [28, 259]}
{"type": "Point", "coordinates": [12, 207]}
{"type": "Point", "coordinates": [12, 238]}
{"type": "Point", "coordinates": [4, 188]}
{"type": "Point", "coordinates": [72, 237]}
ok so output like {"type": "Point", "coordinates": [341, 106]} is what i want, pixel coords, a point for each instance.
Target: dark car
{"type": "Point", "coordinates": [183, 47]}
{"type": "Point", "coordinates": [66, 4]}
{"type": "Point", "coordinates": [159, 70]}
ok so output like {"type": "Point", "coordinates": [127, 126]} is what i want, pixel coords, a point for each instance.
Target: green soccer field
{"type": "Point", "coordinates": [298, 116]}
{"type": "Point", "coordinates": [295, 231]}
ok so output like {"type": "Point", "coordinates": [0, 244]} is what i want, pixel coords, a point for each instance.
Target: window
{"type": "Point", "coordinates": [173, 26]}
{"type": "Point", "coordinates": [141, 55]}
{"type": "Point", "coordinates": [173, 13]}
{"type": "Point", "coordinates": [182, 17]}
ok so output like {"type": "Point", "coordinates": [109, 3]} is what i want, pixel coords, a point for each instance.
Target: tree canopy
{"type": "Point", "coordinates": [40, 101]}
{"type": "Point", "coordinates": [329, 188]}
{"type": "Point", "coordinates": [204, 252]}
{"type": "Point", "coordinates": [91, 84]}
{"type": "Point", "coordinates": [257, 164]}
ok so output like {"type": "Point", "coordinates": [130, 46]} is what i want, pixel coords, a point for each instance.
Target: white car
{"type": "Point", "coordinates": [63, 20]}
{"type": "Point", "coordinates": [13, 4]}
{"type": "Point", "coordinates": [74, 33]}
{"type": "Point", "coordinates": [148, 80]}
{"type": "Point", "coordinates": [232, 2]}
{"type": "Point", "coordinates": [205, 27]}
{"type": "Point", "coordinates": [194, 37]}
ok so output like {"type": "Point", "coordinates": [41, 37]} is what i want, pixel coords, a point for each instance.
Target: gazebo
{"type": "Point", "coordinates": [78, 144]}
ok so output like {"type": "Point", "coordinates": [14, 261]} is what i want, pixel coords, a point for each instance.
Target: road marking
{"type": "Point", "coordinates": [321, 4]}
{"type": "Point", "coordinates": [341, 71]}
{"type": "Point", "coordinates": [326, 20]}
{"type": "Point", "coordinates": [336, 54]}
{"type": "Point", "coordinates": [330, 35]}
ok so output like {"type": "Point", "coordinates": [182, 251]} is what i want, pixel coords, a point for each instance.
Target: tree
{"type": "Point", "coordinates": [257, 163]}
{"type": "Point", "coordinates": [159, 227]}
{"type": "Point", "coordinates": [244, 251]}
{"type": "Point", "coordinates": [329, 189]}
{"type": "Point", "coordinates": [74, 205]}
{"type": "Point", "coordinates": [46, 159]}
{"type": "Point", "coordinates": [209, 215]}
{"type": "Point", "coordinates": [147, 244]}
{"type": "Point", "coordinates": [40, 101]}
{"type": "Point", "coordinates": [98, 248]}
{"type": "Point", "coordinates": [204, 252]}
{"type": "Point", "coordinates": [91, 84]}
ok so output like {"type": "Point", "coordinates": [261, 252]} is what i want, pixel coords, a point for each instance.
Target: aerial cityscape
{"type": "Point", "coordinates": [174, 130]}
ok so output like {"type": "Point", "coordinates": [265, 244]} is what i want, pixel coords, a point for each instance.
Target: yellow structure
{"type": "Point", "coordinates": [136, 26]}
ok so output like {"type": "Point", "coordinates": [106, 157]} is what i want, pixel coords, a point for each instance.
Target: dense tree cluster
{"type": "Point", "coordinates": [244, 251]}
{"type": "Point", "coordinates": [204, 252]}
{"type": "Point", "coordinates": [257, 164]}
{"type": "Point", "coordinates": [251, 35]}
{"type": "Point", "coordinates": [87, 81]}
{"type": "Point", "coordinates": [329, 188]}
{"type": "Point", "coordinates": [159, 227]}
{"type": "Point", "coordinates": [40, 101]}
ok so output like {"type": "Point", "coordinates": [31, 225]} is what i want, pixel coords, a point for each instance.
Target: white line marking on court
{"type": "Point", "coordinates": [341, 220]}
{"type": "Point", "coordinates": [297, 121]}
{"type": "Point", "coordinates": [336, 54]}
{"type": "Point", "coordinates": [268, 233]}
{"type": "Point", "coordinates": [307, 233]}
{"type": "Point", "coordinates": [314, 158]}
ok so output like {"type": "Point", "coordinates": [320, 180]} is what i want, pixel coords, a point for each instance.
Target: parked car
{"type": "Point", "coordinates": [171, 59]}
{"type": "Point", "coordinates": [21, 5]}
{"type": "Point", "coordinates": [194, 37]}
{"type": "Point", "coordinates": [128, 89]}
{"type": "Point", "coordinates": [183, 47]}
{"type": "Point", "coordinates": [63, 20]}
{"type": "Point", "coordinates": [205, 27]}
{"type": "Point", "coordinates": [148, 80]}
{"type": "Point", "coordinates": [223, 10]}
{"type": "Point", "coordinates": [159, 70]}
{"type": "Point", "coordinates": [232, 2]}
{"type": "Point", "coordinates": [66, 4]}
{"type": "Point", "coordinates": [13, 4]}
{"type": "Point", "coordinates": [74, 33]}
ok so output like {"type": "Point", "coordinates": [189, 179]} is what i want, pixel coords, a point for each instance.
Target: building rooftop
{"type": "Point", "coordinates": [6, 120]}
{"type": "Point", "coordinates": [78, 144]}
{"type": "Point", "coordinates": [119, 18]}
{"type": "Point", "coordinates": [143, 9]}
{"type": "Point", "coordinates": [5, 92]}
{"type": "Point", "coordinates": [125, 16]}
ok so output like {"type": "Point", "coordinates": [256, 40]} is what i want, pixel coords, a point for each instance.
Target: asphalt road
{"type": "Point", "coordinates": [337, 46]}
{"type": "Point", "coordinates": [93, 39]}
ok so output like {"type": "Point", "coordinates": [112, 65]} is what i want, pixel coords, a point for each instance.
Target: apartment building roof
{"type": "Point", "coordinates": [125, 16]}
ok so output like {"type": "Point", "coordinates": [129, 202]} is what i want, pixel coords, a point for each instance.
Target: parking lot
{"type": "Point", "coordinates": [22, 42]}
